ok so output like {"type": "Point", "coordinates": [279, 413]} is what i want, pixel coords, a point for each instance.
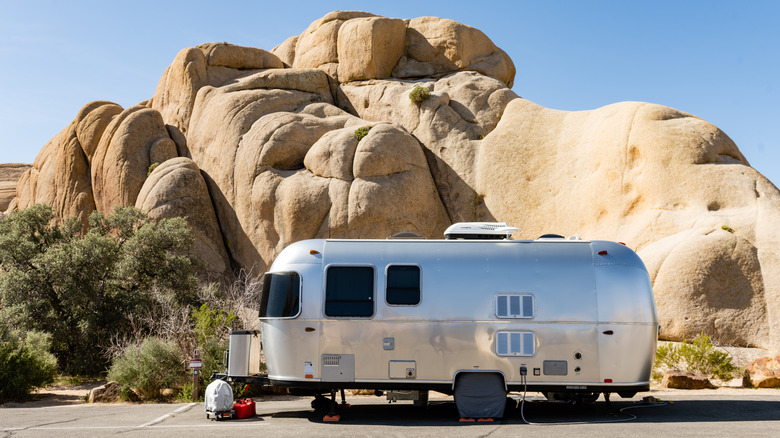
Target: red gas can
{"type": "Point", "coordinates": [244, 408]}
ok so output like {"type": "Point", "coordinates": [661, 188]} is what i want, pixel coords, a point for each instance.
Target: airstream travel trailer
{"type": "Point", "coordinates": [470, 315]}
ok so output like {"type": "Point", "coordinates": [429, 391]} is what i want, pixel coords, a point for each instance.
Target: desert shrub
{"type": "Point", "coordinates": [185, 394]}
{"type": "Point", "coordinates": [699, 357]}
{"type": "Point", "coordinates": [361, 132]}
{"type": "Point", "coordinates": [212, 332]}
{"type": "Point", "coordinates": [419, 94]}
{"type": "Point", "coordinates": [147, 368]}
{"type": "Point", "coordinates": [84, 287]}
{"type": "Point", "coordinates": [25, 364]}
{"type": "Point", "coordinates": [151, 168]}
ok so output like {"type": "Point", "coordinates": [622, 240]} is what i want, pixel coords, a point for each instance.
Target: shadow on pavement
{"type": "Point", "coordinates": [539, 412]}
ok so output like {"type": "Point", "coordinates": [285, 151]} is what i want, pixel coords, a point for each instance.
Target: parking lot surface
{"type": "Point", "coordinates": [726, 412]}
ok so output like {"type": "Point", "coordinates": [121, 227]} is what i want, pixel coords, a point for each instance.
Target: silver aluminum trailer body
{"type": "Point", "coordinates": [550, 315]}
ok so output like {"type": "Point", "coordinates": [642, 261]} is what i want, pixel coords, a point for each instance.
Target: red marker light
{"type": "Point", "coordinates": [607, 380]}
{"type": "Point", "coordinates": [603, 252]}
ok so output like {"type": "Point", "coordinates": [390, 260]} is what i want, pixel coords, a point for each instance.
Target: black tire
{"type": "Point", "coordinates": [320, 404]}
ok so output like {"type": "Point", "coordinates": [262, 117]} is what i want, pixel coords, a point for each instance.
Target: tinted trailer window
{"type": "Point", "coordinates": [281, 295]}
{"type": "Point", "coordinates": [403, 285]}
{"type": "Point", "coordinates": [349, 291]}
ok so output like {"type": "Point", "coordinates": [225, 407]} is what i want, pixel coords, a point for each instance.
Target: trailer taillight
{"type": "Point", "coordinates": [604, 252]}
{"type": "Point", "coordinates": [607, 380]}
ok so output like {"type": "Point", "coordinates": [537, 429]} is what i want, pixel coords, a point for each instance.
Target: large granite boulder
{"type": "Point", "coordinates": [176, 188]}
{"type": "Point", "coordinates": [60, 175]}
{"type": "Point", "coordinates": [134, 140]}
{"type": "Point", "coordinates": [208, 64]}
{"type": "Point", "coordinates": [672, 186]}
{"type": "Point", "coordinates": [353, 45]}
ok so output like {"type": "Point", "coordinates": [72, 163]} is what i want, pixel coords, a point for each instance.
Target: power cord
{"type": "Point", "coordinates": [647, 402]}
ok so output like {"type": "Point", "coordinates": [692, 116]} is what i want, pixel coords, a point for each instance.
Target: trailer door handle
{"type": "Point", "coordinates": [609, 332]}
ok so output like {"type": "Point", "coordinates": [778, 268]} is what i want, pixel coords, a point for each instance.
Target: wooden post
{"type": "Point", "coordinates": [195, 384]}
{"type": "Point", "coordinates": [195, 371]}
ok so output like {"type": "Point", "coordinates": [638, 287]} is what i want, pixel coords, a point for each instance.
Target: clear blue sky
{"type": "Point", "coordinates": [719, 60]}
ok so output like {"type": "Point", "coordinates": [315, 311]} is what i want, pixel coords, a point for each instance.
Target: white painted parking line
{"type": "Point", "coordinates": [169, 415]}
{"type": "Point", "coordinates": [221, 424]}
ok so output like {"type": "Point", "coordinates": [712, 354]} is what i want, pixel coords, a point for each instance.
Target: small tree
{"type": "Point", "coordinates": [83, 288]}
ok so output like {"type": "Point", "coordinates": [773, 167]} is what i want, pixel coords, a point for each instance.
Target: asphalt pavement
{"type": "Point", "coordinates": [732, 412]}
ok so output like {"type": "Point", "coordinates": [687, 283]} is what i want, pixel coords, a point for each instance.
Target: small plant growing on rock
{"type": "Point", "coordinates": [151, 168]}
{"type": "Point", "coordinates": [727, 228]}
{"type": "Point", "coordinates": [361, 132]}
{"type": "Point", "coordinates": [699, 357]}
{"type": "Point", "coordinates": [419, 94]}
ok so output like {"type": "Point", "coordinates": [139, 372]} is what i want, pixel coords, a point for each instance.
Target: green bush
{"type": "Point", "coordinates": [84, 288]}
{"type": "Point", "coordinates": [148, 368]}
{"type": "Point", "coordinates": [185, 394]}
{"type": "Point", "coordinates": [699, 357]}
{"type": "Point", "coordinates": [212, 334]}
{"type": "Point", "coordinates": [151, 168]}
{"type": "Point", "coordinates": [419, 94]}
{"type": "Point", "coordinates": [25, 363]}
{"type": "Point", "coordinates": [361, 132]}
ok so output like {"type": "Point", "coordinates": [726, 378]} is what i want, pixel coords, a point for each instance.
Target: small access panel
{"type": "Point", "coordinates": [338, 367]}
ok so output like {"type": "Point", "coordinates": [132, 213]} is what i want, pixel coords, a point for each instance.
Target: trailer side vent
{"type": "Point", "coordinates": [331, 360]}
{"type": "Point", "coordinates": [515, 306]}
{"type": "Point", "coordinates": [513, 343]}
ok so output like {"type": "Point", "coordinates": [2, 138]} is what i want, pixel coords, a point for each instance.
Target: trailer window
{"type": "Point", "coordinates": [349, 291]}
{"type": "Point", "coordinates": [515, 306]}
{"type": "Point", "coordinates": [281, 295]}
{"type": "Point", "coordinates": [403, 285]}
{"type": "Point", "coordinates": [510, 343]}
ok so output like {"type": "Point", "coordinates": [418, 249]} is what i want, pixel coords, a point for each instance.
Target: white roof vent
{"type": "Point", "coordinates": [479, 230]}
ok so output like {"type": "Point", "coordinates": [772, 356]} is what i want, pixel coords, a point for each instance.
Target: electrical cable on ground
{"type": "Point", "coordinates": [643, 404]}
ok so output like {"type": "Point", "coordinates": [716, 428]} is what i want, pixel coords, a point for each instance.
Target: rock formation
{"type": "Point", "coordinates": [318, 138]}
{"type": "Point", "coordinates": [763, 372]}
{"type": "Point", "coordinates": [9, 177]}
{"type": "Point", "coordinates": [670, 185]}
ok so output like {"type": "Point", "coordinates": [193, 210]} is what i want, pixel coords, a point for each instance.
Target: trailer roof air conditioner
{"type": "Point", "coordinates": [479, 230]}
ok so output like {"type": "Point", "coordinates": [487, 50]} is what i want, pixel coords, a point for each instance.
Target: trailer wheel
{"type": "Point", "coordinates": [320, 403]}
{"type": "Point", "coordinates": [480, 395]}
